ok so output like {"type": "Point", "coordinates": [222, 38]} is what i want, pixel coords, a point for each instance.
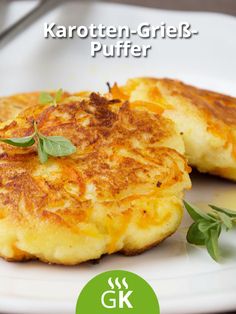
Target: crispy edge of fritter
{"type": "Point", "coordinates": [11, 106]}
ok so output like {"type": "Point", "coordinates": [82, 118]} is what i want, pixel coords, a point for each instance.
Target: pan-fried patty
{"type": "Point", "coordinates": [206, 120]}
{"type": "Point", "coordinates": [120, 191]}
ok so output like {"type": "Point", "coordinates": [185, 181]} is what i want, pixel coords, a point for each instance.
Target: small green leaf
{"type": "Point", "coordinates": [214, 216]}
{"type": "Point", "coordinates": [43, 156]}
{"type": "Point", "coordinates": [204, 225]}
{"type": "Point", "coordinates": [224, 210]}
{"type": "Point", "coordinates": [226, 220]}
{"type": "Point", "coordinates": [45, 98]}
{"type": "Point", "coordinates": [219, 228]}
{"type": "Point", "coordinates": [195, 212]}
{"type": "Point", "coordinates": [20, 142]}
{"type": "Point", "coordinates": [195, 236]}
{"type": "Point", "coordinates": [212, 244]}
{"type": "Point", "coordinates": [207, 228]}
{"type": "Point", "coordinates": [58, 95]}
{"type": "Point", "coordinates": [57, 146]}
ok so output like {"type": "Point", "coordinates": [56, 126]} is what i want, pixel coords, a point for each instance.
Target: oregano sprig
{"type": "Point", "coordinates": [207, 227]}
{"type": "Point", "coordinates": [46, 98]}
{"type": "Point", "coordinates": [56, 146]}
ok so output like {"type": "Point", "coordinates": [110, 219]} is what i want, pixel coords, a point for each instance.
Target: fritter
{"type": "Point", "coordinates": [205, 119]}
{"type": "Point", "coordinates": [121, 191]}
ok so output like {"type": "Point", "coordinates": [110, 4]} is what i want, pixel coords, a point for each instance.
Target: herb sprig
{"type": "Point", "coordinates": [56, 146]}
{"type": "Point", "coordinates": [207, 227]}
{"type": "Point", "coordinates": [46, 98]}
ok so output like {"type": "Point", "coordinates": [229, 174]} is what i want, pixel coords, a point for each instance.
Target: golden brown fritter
{"type": "Point", "coordinates": [205, 119]}
{"type": "Point", "coordinates": [120, 191]}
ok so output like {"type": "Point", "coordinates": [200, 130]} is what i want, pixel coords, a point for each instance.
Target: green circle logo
{"type": "Point", "coordinates": [116, 292]}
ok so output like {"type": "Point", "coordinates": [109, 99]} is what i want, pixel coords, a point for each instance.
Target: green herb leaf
{"type": "Point", "coordinates": [226, 220]}
{"type": "Point", "coordinates": [43, 156]}
{"type": "Point", "coordinates": [195, 236]}
{"type": "Point", "coordinates": [57, 146]}
{"type": "Point", "coordinates": [58, 95]}
{"type": "Point", "coordinates": [212, 244]}
{"type": "Point", "coordinates": [19, 142]}
{"type": "Point", "coordinates": [224, 210]}
{"type": "Point", "coordinates": [213, 215]}
{"type": "Point", "coordinates": [207, 228]}
{"type": "Point", "coordinates": [219, 228]}
{"type": "Point", "coordinates": [195, 212]}
{"type": "Point", "coordinates": [205, 225]}
{"type": "Point", "coordinates": [45, 98]}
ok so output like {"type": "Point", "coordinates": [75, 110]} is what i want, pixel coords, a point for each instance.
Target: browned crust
{"type": "Point", "coordinates": [11, 106]}
{"type": "Point", "coordinates": [106, 157]}
{"type": "Point", "coordinates": [107, 129]}
{"type": "Point", "coordinates": [220, 106]}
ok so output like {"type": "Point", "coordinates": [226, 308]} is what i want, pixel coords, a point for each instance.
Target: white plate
{"type": "Point", "coordinates": [185, 279]}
